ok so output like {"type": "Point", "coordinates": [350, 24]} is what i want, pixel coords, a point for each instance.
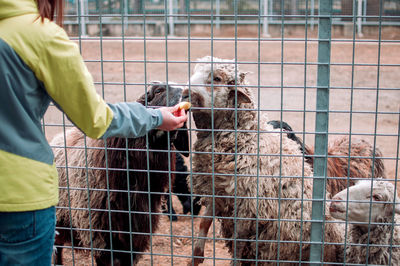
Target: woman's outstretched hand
{"type": "Point", "coordinates": [173, 117]}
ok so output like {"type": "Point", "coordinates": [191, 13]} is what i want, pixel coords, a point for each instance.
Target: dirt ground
{"type": "Point", "coordinates": [284, 77]}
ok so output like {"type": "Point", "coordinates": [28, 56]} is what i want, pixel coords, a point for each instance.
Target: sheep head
{"type": "Point", "coordinates": [160, 94]}
{"type": "Point", "coordinates": [216, 83]}
{"type": "Point", "coordinates": [360, 206]}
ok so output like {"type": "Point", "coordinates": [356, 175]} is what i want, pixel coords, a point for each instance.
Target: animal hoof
{"type": "Point", "coordinates": [195, 262]}
{"type": "Point", "coordinates": [199, 254]}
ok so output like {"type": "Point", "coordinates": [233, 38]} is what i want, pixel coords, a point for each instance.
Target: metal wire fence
{"type": "Point", "coordinates": [263, 207]}
{"type": "Point", "coordinates": [229, 12]}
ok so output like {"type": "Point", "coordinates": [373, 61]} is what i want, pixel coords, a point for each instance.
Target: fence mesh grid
{"type": "Point", "coordinates": [328, 68]}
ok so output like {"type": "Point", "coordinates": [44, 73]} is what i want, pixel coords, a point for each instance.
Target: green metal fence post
{"type": "Point", "coordinates": [321, 131]}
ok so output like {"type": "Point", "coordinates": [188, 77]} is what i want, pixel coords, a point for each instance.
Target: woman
{"type": "Point", "coordinates": [39, 64]}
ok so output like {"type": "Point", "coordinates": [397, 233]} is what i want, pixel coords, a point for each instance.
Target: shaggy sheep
{"type": "Point", "coordinates": [181, 188]}
{"type": "Point", "coordinates": [230, 184]}
{"type": "Point", "coordinates": [375, 198]}
{"type": "Point", "coordinates": [361, 163]}
{"type": "Point", "coordinates": [94, 200]}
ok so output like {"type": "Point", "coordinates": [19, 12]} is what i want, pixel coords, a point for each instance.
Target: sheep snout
{"type": "Point", "coordinates": [196, 99]}
{"type": "Point", "coordinates": [337, 208]}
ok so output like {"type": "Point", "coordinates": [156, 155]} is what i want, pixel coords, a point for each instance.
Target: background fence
{"type": "Point", "coordinates": [324, 85]}
{"type": "Point", "coordinates": [229, 12]}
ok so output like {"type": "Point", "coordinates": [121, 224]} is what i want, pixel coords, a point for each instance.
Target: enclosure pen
{"type": "Point", "coordinates": [235, 211]}
{"type": "Point", "coordinates": [258, 119]}
{"type": "Point", "coordinates": [147, 152]}
{"type": "Point", "coordinates": [350, 129]}
{"type": "Point", "coordinates": [171, 17]}
{"type": "Point", "coordinates": [212, 127]}
{"type": "Point", "coordinates": [280, 136]}
{"type": "Point", "coordinates": [304, 116]}
{"type": "Point", "coordinates": [105, 143]}
{"type": "Point", "coordinates": [376, 118]}
{"type": "Point", "coordinates": [190, 176]}
{"type": "Point", "coordinates": [323, 69]}
{"type": "Point", "coordinates": [124, 18]}
{"type": "Point", "coordinates": [321, 131]}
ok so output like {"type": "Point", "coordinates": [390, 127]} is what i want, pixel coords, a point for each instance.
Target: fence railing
{"type": "Point", "coordinates": [295, 12]}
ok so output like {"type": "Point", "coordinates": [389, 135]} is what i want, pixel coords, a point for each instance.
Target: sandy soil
{"type": "Point", "coordinates": [284, 76]}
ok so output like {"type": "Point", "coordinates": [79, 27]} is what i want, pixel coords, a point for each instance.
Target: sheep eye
{"type": "Point", "coordinates": [376, 198]}
{"type": "Point", "coordinates": [217, 79]}
{"type": "Point", "coordinates": [158, 91]}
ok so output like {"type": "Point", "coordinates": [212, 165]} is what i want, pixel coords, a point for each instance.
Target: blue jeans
{"type": "Point", "coordinates": [27, 238]}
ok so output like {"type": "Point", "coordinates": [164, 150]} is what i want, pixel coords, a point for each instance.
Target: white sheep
{"type": "Point", "coordinates": [369, 206]}
{"type": "Point", "coordinates": [262, 193]}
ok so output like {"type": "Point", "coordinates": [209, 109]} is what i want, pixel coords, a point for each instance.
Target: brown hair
{"type": "Point", "coordinates": [47, 9]}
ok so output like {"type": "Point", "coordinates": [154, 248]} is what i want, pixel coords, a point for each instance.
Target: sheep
{"type": "Point", "coordinates": [365, 198]}
{"type": "Point", "coordinates": [361, 163]}
{"type": "Point", "coordinates": [112, 191]}
{"type": "Point", "coordinates": [181, 188]}
{"type": "Point", "coordinates": [233, 146]}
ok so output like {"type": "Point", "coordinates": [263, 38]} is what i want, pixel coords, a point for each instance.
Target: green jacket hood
{"type": "Point", "coordinates": [12, 8]}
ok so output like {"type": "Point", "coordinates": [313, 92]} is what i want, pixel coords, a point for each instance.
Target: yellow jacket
{"type": "Point", "coordinates": [39, 64]}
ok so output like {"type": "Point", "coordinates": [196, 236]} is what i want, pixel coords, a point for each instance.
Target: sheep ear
{"type": "Point", "coordinates": [241, 96]}
{"type": "Point", "coordinates": [242, 76]}
{"type": "Point", "coordinates": [149, 95]}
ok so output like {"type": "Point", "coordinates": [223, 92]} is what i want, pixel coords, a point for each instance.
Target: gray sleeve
{"type": "Point", "coordinates": [132, 120]}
